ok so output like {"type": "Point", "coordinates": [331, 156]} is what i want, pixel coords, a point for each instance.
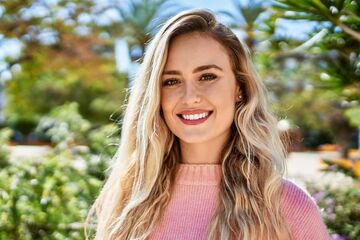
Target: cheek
{"type": "Point", "coordinates": [224, 99]}
{"type": "Point", "coordinates": [222, 95]}
{"type": "Point", "coordinates": [167, 104]}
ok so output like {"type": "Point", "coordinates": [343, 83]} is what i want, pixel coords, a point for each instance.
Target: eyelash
{"type": "Point", "coordinates": [167, 82]}
{"type": "Point", "coordinates": [174, 81]}
{"type": "Point", "coordinates": [213, 76]}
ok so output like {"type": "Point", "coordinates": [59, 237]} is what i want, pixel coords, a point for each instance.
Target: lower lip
{"type": "Point", "coordinates": [195, 122]}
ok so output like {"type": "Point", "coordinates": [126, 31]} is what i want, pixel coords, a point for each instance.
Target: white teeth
{"type": "Point", "coordinates": [195, 116]}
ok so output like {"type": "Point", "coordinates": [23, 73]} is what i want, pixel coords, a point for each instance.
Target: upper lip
{"type": "Point", "coordinates": [193, 111]}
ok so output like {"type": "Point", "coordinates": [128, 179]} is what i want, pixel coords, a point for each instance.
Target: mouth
{"type": "Point", "coordinates": [194, 118]}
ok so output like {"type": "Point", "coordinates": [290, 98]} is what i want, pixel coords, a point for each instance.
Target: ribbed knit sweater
{"type": "Point", "coordinates": [195, 197]}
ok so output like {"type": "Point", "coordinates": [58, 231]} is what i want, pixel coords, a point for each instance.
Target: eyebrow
{"type": "Point", "coordinates": [198, 69]}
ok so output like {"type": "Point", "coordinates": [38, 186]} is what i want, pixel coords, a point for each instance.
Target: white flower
{"type": "Point", "coordinates": [34, 182]}
{"type": "Point", "coordinates": [324, 76]}
{"type": "Point", "coordinates": [334, 10]}
{"type": "Point", "coordinates": [79, 164]}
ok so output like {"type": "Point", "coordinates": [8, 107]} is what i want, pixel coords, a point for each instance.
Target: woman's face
{"type": "Point", "coordinates": [198, 89]}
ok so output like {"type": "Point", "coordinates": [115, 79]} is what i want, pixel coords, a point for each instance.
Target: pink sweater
{"type": "Point", "coordinates": [195, 197]}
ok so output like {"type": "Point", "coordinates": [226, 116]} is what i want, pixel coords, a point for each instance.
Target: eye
{"type": "Point", "coordinates": [170, 82]}
{"type": "Point", "coordinates": [208, 77]}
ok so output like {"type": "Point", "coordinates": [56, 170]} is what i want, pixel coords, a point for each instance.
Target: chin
{"type": "Point", "coordinates": [194, 139]}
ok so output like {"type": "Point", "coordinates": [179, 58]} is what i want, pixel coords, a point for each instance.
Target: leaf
{"type": "Point", "coordinates": [353, 114]}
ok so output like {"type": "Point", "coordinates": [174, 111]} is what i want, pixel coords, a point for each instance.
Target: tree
{"type": "Point", "coordinates": [334, 48]}
{"type": "Point", "coordinates": [75, 73]}
{"type": "Point", "coordinates": [58, 62]}
{"type": "Point", "coordinates": [334, 42]}
{"type": "Point", "coordinates": [139, 21]}
{"type": "Point", "coordinates": [39, 22]}
{"type": "Point", "coordinates": [247, 20]}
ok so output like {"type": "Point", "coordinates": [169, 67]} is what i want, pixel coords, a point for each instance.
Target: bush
{"type": "Point", "coordinates": [46, 198]}
{"type": "Point", "coordinates": [5, 135]}
{"type": "Point", "coordinates": [64, 126]}
{"type": "Point", "coordinates": [102, 143]}
{"type": "Point", "coordinates": [340, 209]}
{"type": "Point", "coordinates": [49, 197]}
{"type": "Point", "coordinates": [348, 167]}
{"type": "Point", "coordinates": [75, 74]}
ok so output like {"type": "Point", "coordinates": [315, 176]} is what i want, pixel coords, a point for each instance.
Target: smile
{"type": "Point", "coordinates": [194, 119]}
{"type": "Point", "coordinates": [195, 116]}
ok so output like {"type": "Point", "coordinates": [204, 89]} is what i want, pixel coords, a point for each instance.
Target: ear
{"type": "Point", "coordinates": [238, 93]}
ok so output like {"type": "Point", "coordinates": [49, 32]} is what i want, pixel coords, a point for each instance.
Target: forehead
{"type": "Point", "coordinates": [196, 49]}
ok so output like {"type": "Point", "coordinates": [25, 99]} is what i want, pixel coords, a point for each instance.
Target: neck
{"type": "Point", "coordinates": [203, 153]}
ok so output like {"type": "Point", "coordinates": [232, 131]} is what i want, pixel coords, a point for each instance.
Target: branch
{"type": "Point", "coordinates": [348, 30]}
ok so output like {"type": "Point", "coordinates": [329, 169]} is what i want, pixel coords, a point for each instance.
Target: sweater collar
{"type": "Point", "coordinates": [199, 174]}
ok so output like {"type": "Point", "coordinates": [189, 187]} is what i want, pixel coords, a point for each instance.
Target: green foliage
{"type": "Point", "coordinates": [64, 125]}
{"type": "Point", "coordinates": [354, 115]}
{"type": "Point", "coordinates": [20, 18]}
{"type": "Point", "coordinates": [104, 140]}
{"type": "Point", "coordinates": [5, 135]}
{"type": "Point", "coordinates": [68, 67]}
{"type": "Point", "coordinates": [332, 48]}
{"type": "Point", "coordinates": [344, 14]}
{"type": "Point", "coordinates": [35, 23]}
{"type": "Point", "coordinates": [66, 128]}
{"type": "Point", "coordinates": [84, 78]}
{"type": "Point", "coordinates": [308, 110]}
{"type": "Point", "coordinates": [294, 96]}
{"type": "Point", "coordinates": [333, 44]}
{"type": "Point", "coordinates": [340, 209]}
{"type": "Point", "coordinates": [246, 19]}
{"type": "Point", "coordinates": [46, 198]}
{"type": "Point", "coordinates": [140, 20]}
{"type": "Point", "coordinates": [49, 197]}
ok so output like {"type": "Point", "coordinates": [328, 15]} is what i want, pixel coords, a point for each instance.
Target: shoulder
{"type": "Point", "coordinates": [293, 195]}
{"type": "Point", "coordinates": [301, 212]}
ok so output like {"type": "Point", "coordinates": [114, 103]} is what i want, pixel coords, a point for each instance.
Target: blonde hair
{"type": "Point", "coordinates": [138, 189]}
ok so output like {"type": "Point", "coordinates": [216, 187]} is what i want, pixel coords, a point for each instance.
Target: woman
{"type": "Point", "coordinates": [200, 155]}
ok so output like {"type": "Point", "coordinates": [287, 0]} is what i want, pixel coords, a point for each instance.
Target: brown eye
{"type": "Point", "coordinates": [170, 82]}
{"type": "Point", "coordinates": [207, 77]}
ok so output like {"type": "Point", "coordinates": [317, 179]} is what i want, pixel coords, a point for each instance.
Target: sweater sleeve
{"type": "Point", "coordinates": [301, 214]}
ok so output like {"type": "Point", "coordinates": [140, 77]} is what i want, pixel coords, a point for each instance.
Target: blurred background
{"type": "Point", "coordinates": [66, 67]}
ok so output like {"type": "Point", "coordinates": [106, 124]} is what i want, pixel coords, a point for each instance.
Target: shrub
{"type": "Point", "coordinates": [64, 126]}
{"type": "Point", "coordinates": [5, 135]}
{"type": "Point", "coordinates": [340, 209]}
{"type": "Point", "coordinates": [49, 197]}
{"type": "Point", "coordinates": [46, 198]}
{"type": "Point", "coordinates": [346, 166]}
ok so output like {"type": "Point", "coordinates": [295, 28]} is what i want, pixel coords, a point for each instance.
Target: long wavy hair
{"type": "Point", "coordinates": [138, 188]}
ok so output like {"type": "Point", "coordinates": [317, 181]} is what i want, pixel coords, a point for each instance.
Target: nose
{"type": "Point", "coordinates": [191, 94]}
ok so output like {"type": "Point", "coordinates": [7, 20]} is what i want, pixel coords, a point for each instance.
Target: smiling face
{"type": "Point", "coordinates": [198, 89]}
